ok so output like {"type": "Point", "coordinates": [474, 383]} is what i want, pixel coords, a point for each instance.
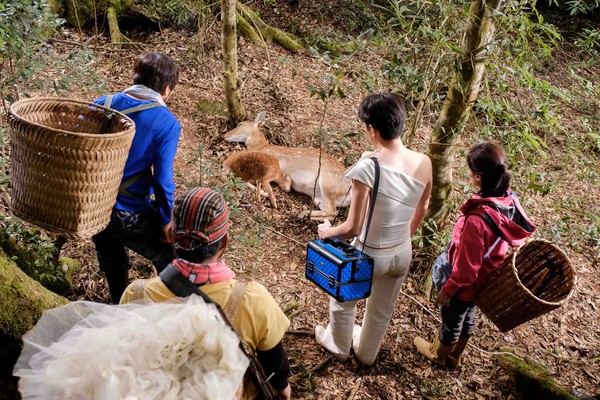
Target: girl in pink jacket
{"type": "Point", "coordinates": [490, 222]}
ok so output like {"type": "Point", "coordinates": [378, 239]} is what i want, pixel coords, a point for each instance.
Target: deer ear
{"type": "Point", "coordinates": [260, 117]}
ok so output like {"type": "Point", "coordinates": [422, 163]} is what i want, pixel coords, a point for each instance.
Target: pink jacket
{"type": "Point", "coordinates": [473, 239]}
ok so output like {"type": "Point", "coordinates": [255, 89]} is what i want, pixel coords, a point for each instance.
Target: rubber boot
{"type": "Point", "coordinates": [117, 283]}
{"type": "Point", "coordinates": [453, 360]}
{"type": "Point", "coordinates": [437, 352]}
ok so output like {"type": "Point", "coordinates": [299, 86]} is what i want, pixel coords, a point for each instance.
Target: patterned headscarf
{"type": "Point", "coordinates": [200, 216]}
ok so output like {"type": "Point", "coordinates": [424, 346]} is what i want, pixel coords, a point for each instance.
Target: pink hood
{"type": "Point", "coordinates": [473, 238]}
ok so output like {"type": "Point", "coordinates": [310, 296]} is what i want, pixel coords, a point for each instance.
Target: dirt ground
{"type": "Point", "coordinates": [269, 245]}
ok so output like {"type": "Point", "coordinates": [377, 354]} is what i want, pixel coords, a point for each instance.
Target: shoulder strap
{"type": "Point", "coordinates": [130, 181]}
{"type": "Point", "coordinates": [141, 107]}
{"type": "Point", "coordinates": [182, 287]}
{"type": "Point", "coordinates": [109, 99]}
{"type": "Point", "coordinates": [235, 299]}
{"type": "Point", "coordinates": [486, 217]}
{"type": "Point", "coordinates": [372, 200]}
{"type": "Point", "coordinates": [179, 285]}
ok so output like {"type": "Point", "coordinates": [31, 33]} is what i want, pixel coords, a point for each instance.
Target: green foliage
{"type": "Point", "coordinates": [23, 26]}
{"type": "Point", "coordinates": [588, 45]}
{"type": "Point", "coordinates": [28, 62]}
{"type": "Point", "coordinates": [424, 43]}
{"type": "Point", "coordinates": [185, 14]}
{"type": "Point", "coordinates": [577, 7]}
{"type": "Point", "coordinates": [433, 388]}
{"type": "Point", "coordinates": [33, 251]}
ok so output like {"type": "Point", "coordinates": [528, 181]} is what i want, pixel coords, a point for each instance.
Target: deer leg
{"type": "Point", "coordinates": [258, 191]}
{"type": "Point", "coordinates": [326, 204]}
{"type": "Point", "coordinates": [253, 187]}
{"type": "Point", "coordinates": [267, 186]}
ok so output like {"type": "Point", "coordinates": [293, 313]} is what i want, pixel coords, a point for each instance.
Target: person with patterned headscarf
{"type": "Point", "coordinates": [201, 222]}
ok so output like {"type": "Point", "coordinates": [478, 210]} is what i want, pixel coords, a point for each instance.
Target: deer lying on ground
{"type": "Point", "coordinates": [301, 164]}
{"type": "Point", "coordinates": [262, 168]}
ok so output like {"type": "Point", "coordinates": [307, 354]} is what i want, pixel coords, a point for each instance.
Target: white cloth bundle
{"type": "Point", "coordinates": [179, 349]}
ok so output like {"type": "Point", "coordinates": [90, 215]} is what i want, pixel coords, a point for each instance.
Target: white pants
{"type": "Point", "coordinates": [390, 268]}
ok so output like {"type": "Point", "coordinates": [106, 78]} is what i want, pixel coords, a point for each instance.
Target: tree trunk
{"type": "Point", "coordinates": [22, 301]}
{"type": "Point", "coordinates": [55, 274]}
{"type": "Point", "coordinates": [457, 107]}
{"type": "Point", "coordinates": [116, 36]}
{"type": "Point", "coordinates": [269, 33]}
{"type": "Point", "coordinates": [237, 113]}
{"type": "Point", "coordinates": [532, 380]}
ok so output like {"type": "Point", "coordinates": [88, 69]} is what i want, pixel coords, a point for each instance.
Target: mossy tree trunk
{"type": "Point", "coordinates": [22, 302]}
{"type": "Point", "coordinates": [237, 113]}
{"type": "Point", "coordinates": [55, 273]}
{"type": "Point", "coordinates": [532, 380]}
{"type": "Point", "coordinates": [253, 27]}
{"type": "Point", "coordinates": [463, 92]}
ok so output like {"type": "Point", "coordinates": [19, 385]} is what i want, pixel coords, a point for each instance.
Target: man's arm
{"type": "Point", "coordinates": [275, 361]}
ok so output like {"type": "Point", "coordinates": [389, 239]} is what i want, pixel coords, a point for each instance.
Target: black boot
{"type": "Point", "coordinates": [117, 283]}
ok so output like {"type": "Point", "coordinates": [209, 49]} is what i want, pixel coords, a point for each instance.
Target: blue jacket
{"type": "Point", "coordinates": [154, 145]}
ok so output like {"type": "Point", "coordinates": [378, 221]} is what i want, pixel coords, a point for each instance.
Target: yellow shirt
{"type": "Point", "coordinates": [259, 321]}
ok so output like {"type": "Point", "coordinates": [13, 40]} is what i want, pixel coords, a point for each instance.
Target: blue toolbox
{"type": "Point", "coordinates": [339, 269]}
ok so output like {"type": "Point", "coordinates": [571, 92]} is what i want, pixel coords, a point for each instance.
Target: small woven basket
{"type": "Point", "coordinates": [534, 279]}
{"type": "Point", "coordinates": [67, 163]}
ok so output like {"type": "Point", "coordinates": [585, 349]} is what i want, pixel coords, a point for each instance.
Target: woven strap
{"type": "Point", "coordinates": [137, 288]}
{"type": "Point", "coordinates": [235, 298]}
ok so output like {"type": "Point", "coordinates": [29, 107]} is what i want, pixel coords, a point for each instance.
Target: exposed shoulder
{"type": "Point", "coordinates": [421, 157]}
{"type": "Point", "coordinates": [422, 167]}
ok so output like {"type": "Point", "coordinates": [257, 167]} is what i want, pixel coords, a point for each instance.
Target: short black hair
{"type": "Point", "coordinates": [202, 253]}
{"type": "Point", "coordinates": [385, 112]}
{"type": "Point", "coordinates": [156, 71]}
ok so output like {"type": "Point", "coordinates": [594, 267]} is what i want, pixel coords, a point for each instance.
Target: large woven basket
{"type": "Point", "coordinates": [534, 279]}
{"type": "Point", "coordinates": [67, 163]}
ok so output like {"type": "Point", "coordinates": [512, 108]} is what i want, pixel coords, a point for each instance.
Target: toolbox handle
{"type": "Point", "coordinates": [342, 245]}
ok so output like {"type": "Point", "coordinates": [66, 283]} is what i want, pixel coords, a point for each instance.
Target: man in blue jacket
{"type": "Point", "coordinates": [138, 221]}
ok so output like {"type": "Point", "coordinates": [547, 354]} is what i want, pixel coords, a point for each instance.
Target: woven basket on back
{"type": "Point", "coordinates": [67, 163]}
{"type": "Point", "coordinates": [534, 279]}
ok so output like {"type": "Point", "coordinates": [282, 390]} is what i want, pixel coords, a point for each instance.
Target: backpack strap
{"type": "Point", "coordinates": [134, 178]}
{"type": "Point", "coordinates": [235, 299]}
{"type": "Point", "coordinates": [108, 100]}
{"type": "Point", "coordinates": [138, 287]}
{"type": "Point", "coordinates": [182, 287]}
{"type": "Point", "coordinates": [141, 107]}
{"type": "Point", "coordinates": [130, 181]}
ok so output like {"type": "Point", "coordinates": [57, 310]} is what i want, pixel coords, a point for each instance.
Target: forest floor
{"type": "Point", "coordinates": [269, 245]}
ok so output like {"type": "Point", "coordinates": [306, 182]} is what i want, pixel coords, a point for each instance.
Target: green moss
{"type": "Point", "coordinates": [211, 107]}
{"type": "Point", "coordinates": [34, 255]}
{"type": "Point", "coordinates": [22, 302]}
{"type": "Point", "coordinates": [533, 380]}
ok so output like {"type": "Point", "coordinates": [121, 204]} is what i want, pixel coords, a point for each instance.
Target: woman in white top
{"type": "Point", "coordinates": [400, 206]}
